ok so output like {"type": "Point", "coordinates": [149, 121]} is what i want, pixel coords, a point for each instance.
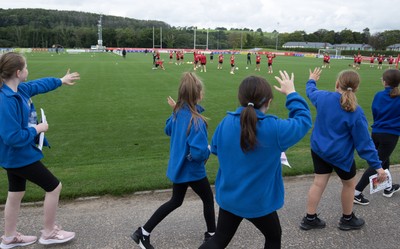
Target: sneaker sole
{"type": "Point", "coordinates": [391, 194]}
{"type": "Point", "coordinates": [135, 238]}
{"type": "Point", "coordinates": [360, 203]}
{"type": "Point", "coordinates": [348, 228]}
{"type": "Point", "coordinates": [137, 241]}
{"type": "Point", "coordinates": [54, 241]}
{"type": "Point", "coordinates": [306, 227]}
{"type": "Point", "coordinates": [3, 246]}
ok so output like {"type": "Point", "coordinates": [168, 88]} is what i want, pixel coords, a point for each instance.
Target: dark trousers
{"type": "Point", "coordinates": [201, 188]}
{"type": "Point", "coordinates": [228, 223]}
{"type": "Point", "coordinates": [385, 144]}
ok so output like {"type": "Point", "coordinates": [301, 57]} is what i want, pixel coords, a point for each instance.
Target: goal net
{"type": "Point", "coordinates": [333, 53]}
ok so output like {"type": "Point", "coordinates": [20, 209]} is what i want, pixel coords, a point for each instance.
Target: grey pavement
{"type": "Point", "coordinates": [107, 222]}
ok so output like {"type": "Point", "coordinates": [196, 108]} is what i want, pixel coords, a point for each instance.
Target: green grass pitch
{"type": "Point", "coordinates": [107, 131]}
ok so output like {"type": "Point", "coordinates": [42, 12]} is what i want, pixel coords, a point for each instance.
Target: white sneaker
{"type": "Point", "coordinates": [18, 240]}
{"type": "Point", "coordinates": [56, 236]}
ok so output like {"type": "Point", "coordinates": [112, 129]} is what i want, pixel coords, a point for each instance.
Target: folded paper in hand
{"type": "Point", "coordinates": [41, 135]}
{"type": "Point", "coordinates": [375, 186]}
{"type": "Point", "coordinates": [284, 160]}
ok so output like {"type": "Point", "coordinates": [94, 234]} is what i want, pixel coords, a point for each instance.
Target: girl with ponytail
{"type": "Point", "coordinates": [385, 130]}
{"type": "Point", "coordinates": [248, 144]}
{"type": "Point", "coordinates": [340, 128]}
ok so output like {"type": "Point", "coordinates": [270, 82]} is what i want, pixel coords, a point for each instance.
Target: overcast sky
{"type": "Point", "coordinates": [269, 15]}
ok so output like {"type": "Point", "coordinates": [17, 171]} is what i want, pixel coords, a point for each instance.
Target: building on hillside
{"type": "Point", "coordinates": [318, 45]}
{"type": "Point", "coordinates": [357, 47]}
{"type": "Point", "coordinates": [394, 47]}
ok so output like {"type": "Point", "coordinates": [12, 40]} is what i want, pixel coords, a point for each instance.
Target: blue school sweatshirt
{"type": "Point", "coordinates": [17, 138]}
{"type": "Point", "coordinates": [188, 151]}
{"type": "Point", "coordinates": [337, 133]}
{"type": "Point", "coordinates": [386, 113]}
{"type": "Point", "coordinates": [250, 184]}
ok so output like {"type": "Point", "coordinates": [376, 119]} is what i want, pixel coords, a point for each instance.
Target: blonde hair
{"type": "Point", "coordinates": [190, 93]}
{"type": "Point", "coordinates": [348, 81]}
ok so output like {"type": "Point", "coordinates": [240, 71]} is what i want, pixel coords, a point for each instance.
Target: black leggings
{"type": "Point", "coordinates": [228, 223]}
{"type": "Point", "coordinates": [36, 173]}
{"type": "Point", "coordinates": [201, 188]}
{"type": "Point", "coordinates": [385, 144]}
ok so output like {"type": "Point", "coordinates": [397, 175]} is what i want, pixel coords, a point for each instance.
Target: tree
{"type": "Point", "coordinates": [297, 36]}
{"type": "Point", "coordinates": [366, 35]}
{"type": "Point", "coordinates": [347, 36]}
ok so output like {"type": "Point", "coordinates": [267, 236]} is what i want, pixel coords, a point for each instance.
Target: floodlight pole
{"type": "Point", "coordinates": [99, 32]}
{"type": "Point", "coordinates": [277, 38]}
{"type": "Point", "coordinates": [207, 39]}
{"type": "Point", "coordinates": [241, 40]}
{"type": "Point", "coordinates": [194, 38]}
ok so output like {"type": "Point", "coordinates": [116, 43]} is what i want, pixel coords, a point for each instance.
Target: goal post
{"type": "Point", "coordinates": [333, 53]}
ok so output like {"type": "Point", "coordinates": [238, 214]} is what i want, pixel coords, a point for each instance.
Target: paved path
{"type": "Point", "coordinates": [107, 222]}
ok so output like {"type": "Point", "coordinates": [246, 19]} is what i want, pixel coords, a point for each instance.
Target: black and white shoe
{"type": "Point", "coordinates": [361, 200]}
{"type": "Point", "coordinates": [394, 189]}
{"type": "Point", "coordinates": [142, 240]}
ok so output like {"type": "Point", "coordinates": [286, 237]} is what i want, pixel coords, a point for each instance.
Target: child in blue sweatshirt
{"type": "Point", "coordinates": [385, 130]}
{"type": "Point", "coordinates": [248, 144]}
{"type": "Point", "coordinates": [340, 128]}
{"type": "Point", "coordinates": [189, 152]}
{"type": "Point", "coordinates": [19, 154]}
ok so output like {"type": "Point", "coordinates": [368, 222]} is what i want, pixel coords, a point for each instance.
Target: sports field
{"type": "Point", "coordinates": [107, 131]}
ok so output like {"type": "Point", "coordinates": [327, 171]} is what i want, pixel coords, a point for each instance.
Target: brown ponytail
{"type": "Point", "coordinates": [254, 92]}
{"type": "Point", "coordinates": [392, 78]}
{"type": "Point", "coordinates": [348, 81]}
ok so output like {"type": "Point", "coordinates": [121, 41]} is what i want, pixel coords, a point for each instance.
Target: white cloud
{"type": "Point", "coordinates": [307, 15]}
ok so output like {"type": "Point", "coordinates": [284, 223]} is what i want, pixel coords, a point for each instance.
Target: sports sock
{"type": "Point", "coordinates": [144, 232]}
{"type": "Point", "coordinates": [311, 216]}
{"type": "Point", "coordinates": [348, 216]}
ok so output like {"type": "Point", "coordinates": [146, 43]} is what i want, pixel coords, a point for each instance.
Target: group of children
{"type": "Point", "coordinates": [200, 60]}
{"type": "Point", "coordinates": [248, 143]}
{"type": "Point", "coordinates": [392, 62]}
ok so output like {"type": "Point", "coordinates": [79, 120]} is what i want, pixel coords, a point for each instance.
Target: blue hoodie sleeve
{"type": "Point", "coordinates": [39, 86]}
{"type": "Point", "coordinates": [311, 89]}
{"type": "Point", "coordinates": [197, 140]}
{"type": "Point", "coordinates": [293, 129]}
{"type": "Point", "coordinates": [363, 143]}
{"type": "Point", "coordinates": [168, 126]}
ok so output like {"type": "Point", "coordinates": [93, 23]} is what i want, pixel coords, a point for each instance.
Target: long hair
{"type": "Point", "coordinates": [348, 81]}
{"type": "Point", "coordinates": [190, 93]}
{"type": "Point", "coordinates": [392, 79]}
{"type": "Point", "coordinates": [9, 64]}
{"type": "Point", "coordinates": [254, 92]}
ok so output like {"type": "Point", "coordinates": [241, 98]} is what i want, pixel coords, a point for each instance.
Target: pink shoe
{"type": "Point", "coordinates": [56, 236]}
{"type": "Point", "coordinates": [18, 240]}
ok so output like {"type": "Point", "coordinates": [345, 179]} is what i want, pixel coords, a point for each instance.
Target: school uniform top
{"type": "Point", "coordinates": [250, 184]}
{"type": "Point", "coordinates": [386, 113]}
{"type": "Point", "coordinates": [17, 137]}
{"type": "Point", "coordinates": [337, 132]}
{"type": "Point", "coordinates": [188, 150]}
